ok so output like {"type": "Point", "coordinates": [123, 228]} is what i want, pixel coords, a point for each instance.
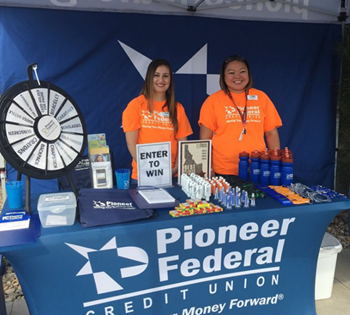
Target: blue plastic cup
{"type": "Point", "coordinates": [123, 178]}
{"type": "Point", "coordinates": [14, 190]}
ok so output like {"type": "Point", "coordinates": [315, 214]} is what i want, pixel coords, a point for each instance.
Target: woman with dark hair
{"type": "Point", "coordinates": [238, 117]}
{"type": "Point", "coordinates": [155, 116]}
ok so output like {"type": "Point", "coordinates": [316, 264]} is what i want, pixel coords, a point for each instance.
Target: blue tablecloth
{"type": "Point", "coordinates": [255, 261]}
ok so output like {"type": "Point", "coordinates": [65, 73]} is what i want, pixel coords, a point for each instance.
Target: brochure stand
{"type": "Point", "coordinates": [100, 161]}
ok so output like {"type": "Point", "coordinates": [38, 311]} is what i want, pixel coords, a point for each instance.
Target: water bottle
{"type": "Point", "coordinates": [275, 167]}
{"type": "Point", "coordinates": [243, 165]}
{"type": "Point", "coordinates": [286, 152]}
{"type": "Point", "coordinates": [264, 169]}
{"type": "Point", "coordinates": [255, 167]}
{"type": "Point", "coordinates": [275, 170]}
{"type": "Point", "coordinates": [287, 170]}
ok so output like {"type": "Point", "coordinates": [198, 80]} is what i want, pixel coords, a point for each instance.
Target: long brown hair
{"type": "Point", "coordinates": [148, 91]}
{"type": "Point", "coordinates": [227, 60]}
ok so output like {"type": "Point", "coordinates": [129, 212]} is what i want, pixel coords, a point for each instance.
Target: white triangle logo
{"type": "Point", "coordinates": [140, 61]}
{"type": "Point", "coordinates": [105, 284]}
{"type": "Point", "coordinates": [197, 64]}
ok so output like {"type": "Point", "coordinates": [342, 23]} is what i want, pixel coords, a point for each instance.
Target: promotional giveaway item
{"type": "Point", "coordinates": [255, 167]}
{"type": "Point", "coordinates": [14, 190]}
{"type": "Point", "coordinates": [243, 165]}
{"type": "Point", "coordinates": [80, 175]}
{"type": "Point", "coordinates": [154, 164]}
{"type": "Point", "coordinates": [102, 175]}
{"type": "Point", "coordinates": [265, 169]}
{"type": "Point", "coordinates": [43, 133]}
{"type": "Point", "coordinates": [287, 170]}
{"type": "Point", "coordinates": [275, 168]}
{"type": "Point", "coordinates": [108, 206]}
{"type": "Point", "coordinates": [123, 178]}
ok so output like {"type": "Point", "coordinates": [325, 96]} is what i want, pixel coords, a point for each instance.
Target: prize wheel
{"type": "Point", "coordinates": [42, 131]}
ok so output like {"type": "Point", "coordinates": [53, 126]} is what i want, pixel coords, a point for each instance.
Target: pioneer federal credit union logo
{"type": "Point", "coordinates": [219, 261]}
{"type": "Point", "coordinates": [103, 281]}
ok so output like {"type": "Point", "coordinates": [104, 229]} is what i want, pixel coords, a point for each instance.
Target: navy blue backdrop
{"type": "Point", "coordinates": [81, 52]}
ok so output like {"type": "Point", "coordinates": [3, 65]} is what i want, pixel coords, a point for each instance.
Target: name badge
{"type": "Point", "coordinates": [252, 97]}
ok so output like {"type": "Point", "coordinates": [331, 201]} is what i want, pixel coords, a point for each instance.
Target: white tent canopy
{"type": "Point", "coordinates": [315, 11]}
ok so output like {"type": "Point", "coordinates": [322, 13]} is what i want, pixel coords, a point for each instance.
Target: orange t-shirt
{"type": "Point", "coordinates": [154, 127]}
{"type": "Point", "coordinates": [220, 115]}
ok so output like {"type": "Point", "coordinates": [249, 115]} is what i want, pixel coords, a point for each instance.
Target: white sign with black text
{"type": "Point", "coordinates": [154, 164]}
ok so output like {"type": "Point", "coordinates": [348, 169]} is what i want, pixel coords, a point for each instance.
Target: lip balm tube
{"type": "Point", "coordinates": [252, 200]}
{"type": "Point", "coordinates": [199, 193]}
{"type": "Point", "coordinates": [238, 200]}
{"type": "Point", "coordinates": [216, 197]}
{"type": "Point", "coordinates": [194, 188]}
{"type": "Point", "coordinates": [207, 191]}
{"type": "Point", "coordinates": [243, 197]}
{"type": "Point", "coordinates": [229, 201]}
{"type": "Point", "coordinates": [246, 200]}
{"type": "Point", "coordinates": [233, 198]}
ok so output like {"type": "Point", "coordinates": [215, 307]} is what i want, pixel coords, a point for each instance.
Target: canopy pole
{"type": "Point", "coordinates": [342, 18]}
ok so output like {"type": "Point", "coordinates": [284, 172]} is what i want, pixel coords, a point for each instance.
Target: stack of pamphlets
{"type": "Point", "coordinates": [156, 195]}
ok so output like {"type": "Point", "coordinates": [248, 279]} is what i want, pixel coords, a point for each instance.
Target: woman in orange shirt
{"type": "Point", "coordinates": [155, 115]}
{"type": "Point", "coordinates": [237, 118]}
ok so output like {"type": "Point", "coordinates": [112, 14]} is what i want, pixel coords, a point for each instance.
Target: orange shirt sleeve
{"type": "Point", "coordinates": [185, 128]}
{"type": "Point", "coordinates": [207, 116]}
{"type": "Point", "coordinates": [273, 119]}
{"type": "Point", "coordinates": [131, 119]}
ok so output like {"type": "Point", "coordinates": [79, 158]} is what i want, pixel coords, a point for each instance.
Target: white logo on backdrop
{"type": "Point", "coordinates": [103, 281]}
{"type": "Point", "coordinates": [196, 65]}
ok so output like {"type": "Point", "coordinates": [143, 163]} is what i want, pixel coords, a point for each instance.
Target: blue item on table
{"type": "Point", "coordinates": [265, 170]}
{"type": "Point", "coordinates": [243, 165]}
{"type": "Point", "coordinates": [287, 172]}
{"type": "Point", "coordinates": [123, 178]}
{"type": "Point", "coordinates": [275, 172]}
{"type": "Point", "coordinates": [14, 190]}
{"type": "Point", "coordinates": [255, 167]}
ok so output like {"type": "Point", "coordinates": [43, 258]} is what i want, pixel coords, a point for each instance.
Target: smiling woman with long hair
{"type": "Point", "coordinates": [155, 115]}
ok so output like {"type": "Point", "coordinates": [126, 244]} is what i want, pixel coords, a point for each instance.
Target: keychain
{"type": "Point", "coordinates": [244, 132]}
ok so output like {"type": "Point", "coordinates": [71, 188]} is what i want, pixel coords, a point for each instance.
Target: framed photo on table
{"type": "Point", "coordinates": [194, 157]}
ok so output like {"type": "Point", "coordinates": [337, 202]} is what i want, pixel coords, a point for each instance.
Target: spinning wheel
{"type": "Point", "coordinates": [42, 131]}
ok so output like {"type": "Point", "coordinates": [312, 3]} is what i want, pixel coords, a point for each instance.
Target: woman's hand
{"type": "Point", "coordinates": [131, 141]}
{"type": "Point", "coordinates": [272, 139]}
{"type": "Point", "coordinates": [205, 133]}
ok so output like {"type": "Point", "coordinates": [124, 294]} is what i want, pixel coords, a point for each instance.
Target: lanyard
{"type": "Point", "coordinates": [242, 115]}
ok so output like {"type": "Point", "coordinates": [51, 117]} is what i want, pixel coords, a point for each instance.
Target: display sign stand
{"type": "Point", "coordinates": [154, 164]}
